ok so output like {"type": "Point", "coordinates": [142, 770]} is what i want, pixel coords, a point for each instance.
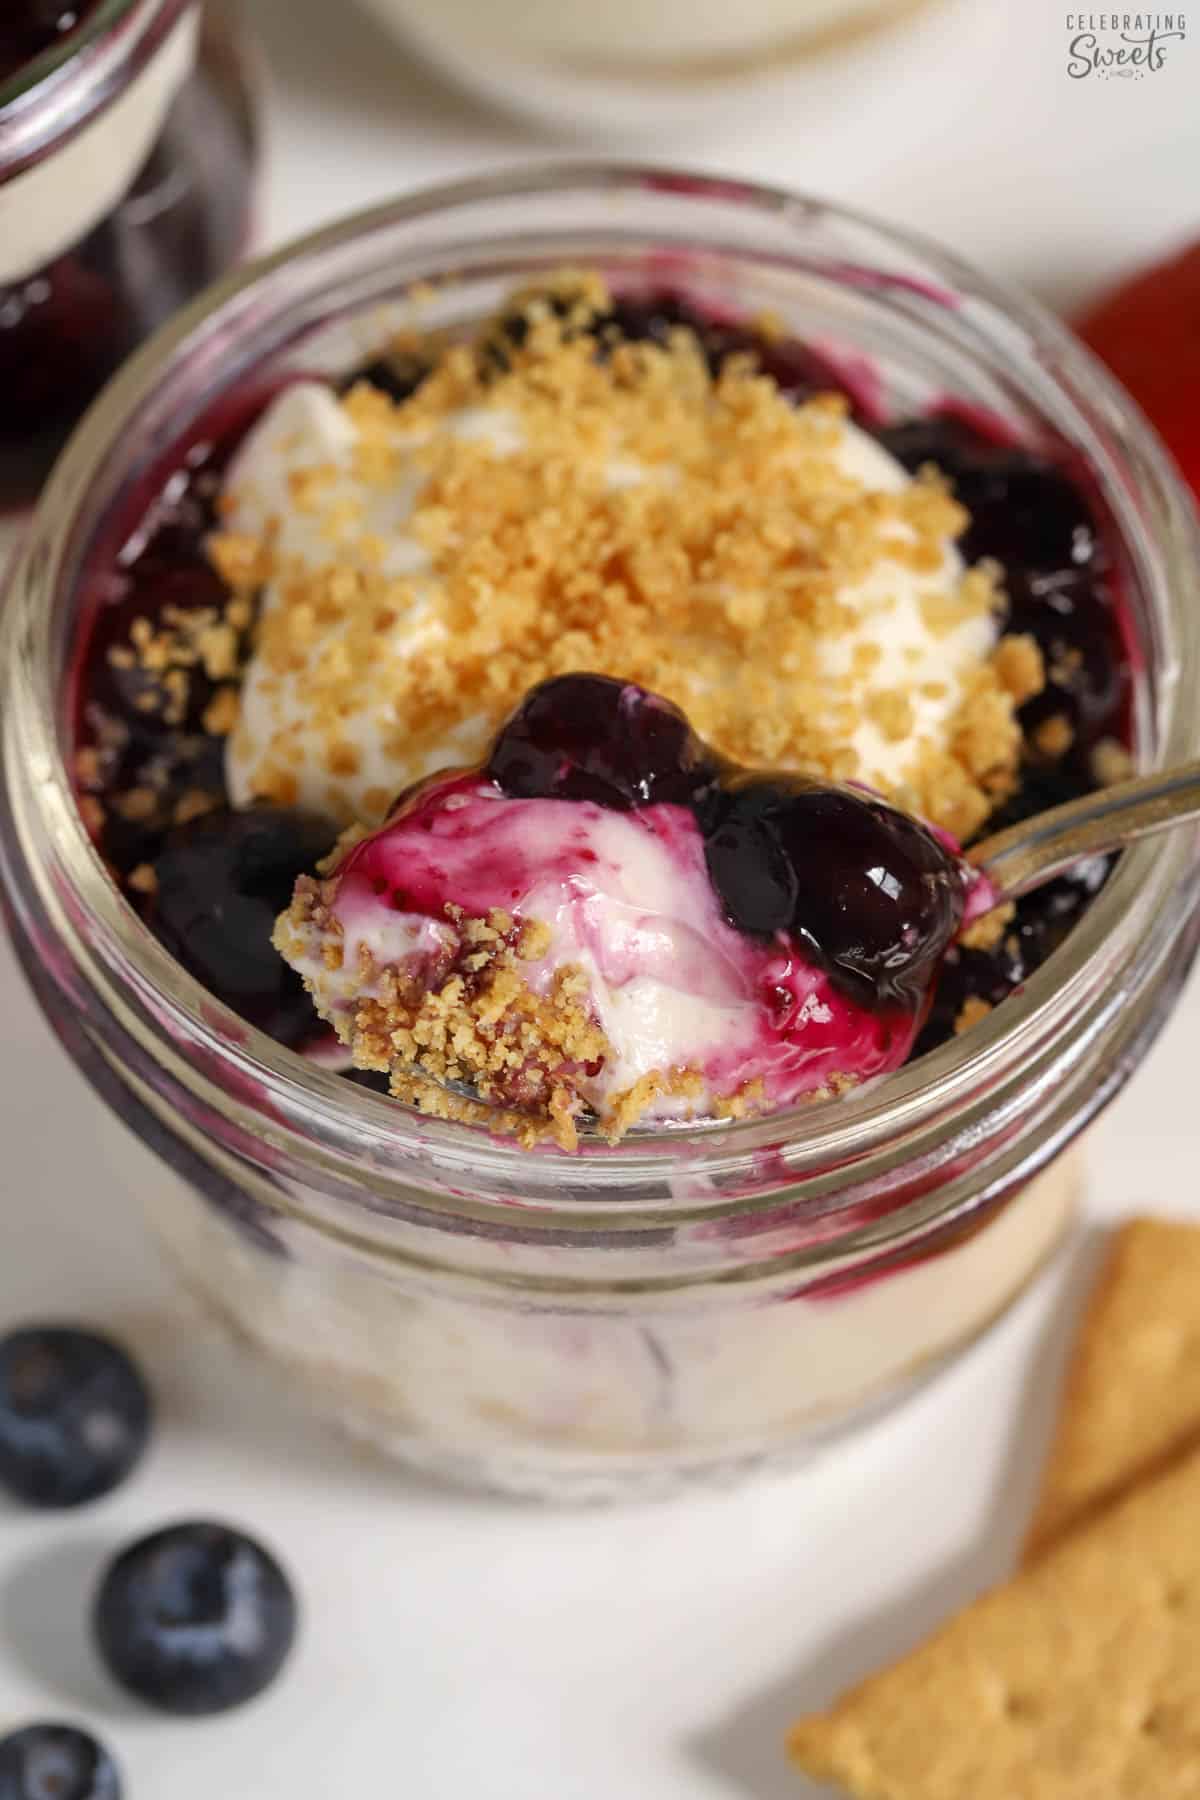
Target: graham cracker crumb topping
{"type": "Point", "coordinates": [642, 517]}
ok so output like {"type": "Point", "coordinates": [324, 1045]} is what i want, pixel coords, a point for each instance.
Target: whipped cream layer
{"type": "Point", "coordinates": [774, 571]}
{"type": "Point", "coordinates": [688, 1017]}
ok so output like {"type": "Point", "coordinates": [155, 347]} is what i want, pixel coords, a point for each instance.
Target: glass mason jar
{"type": "Point", "coordinates": [126, 156]}
{"type": "Point", "coordinates": [691, 1300]}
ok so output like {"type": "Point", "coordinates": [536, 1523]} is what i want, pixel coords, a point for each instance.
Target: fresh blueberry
{"type": "Point", "coordinates": [586, 737]}
{"type": "Point", "coordinates": [222, 881]}
{"type": "Point", "coordinates": [56, 1762]}
{"type": "Point", "coordinates": [195, 1619]}
{"type": "Point", "coordinates": [74, 1415]}
{"type": "Point", "coordinates": [875, 896]}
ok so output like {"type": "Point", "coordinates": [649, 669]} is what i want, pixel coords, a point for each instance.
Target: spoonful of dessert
{"type": "Point", "coordinates": [608, 921]}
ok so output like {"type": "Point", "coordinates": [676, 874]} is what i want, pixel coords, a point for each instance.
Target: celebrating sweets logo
{"type": "Point", "coordinates": [1127, 45]}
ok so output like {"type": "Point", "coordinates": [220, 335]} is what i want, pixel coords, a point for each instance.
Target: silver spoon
{"type": "Point", "coordinates": [1038, 849]}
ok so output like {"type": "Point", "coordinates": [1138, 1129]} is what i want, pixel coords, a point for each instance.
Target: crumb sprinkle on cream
{"type": "Point", "coordinates": [618, 508]}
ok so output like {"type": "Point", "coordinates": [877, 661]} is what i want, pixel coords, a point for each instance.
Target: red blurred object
{"type": "Point", "coordinates": [1148, 332]}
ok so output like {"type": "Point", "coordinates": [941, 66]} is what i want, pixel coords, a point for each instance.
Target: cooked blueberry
{"type": "Point", "coordinates": [1025, 512]}
{"type": "Point", "coordinates": [874, 895]}
{"type": "Point", "coordinates": [749, 862]}
{"type": "Point", "coordinates": [512, 329]}
{"type": "Point", "coordinates": [1042, 786]}
{"type": "Point", "coordinates": [153, 702]}
{"type": "Point", "coordinates": [196, 1618]}
{"type": "Point", "coordinates": [56, 1762]}
{"type": "Point", "coordinates": [222, 881]}
{"type": "Point", "coordinates": [654, 318]}
{"type": "Point", "coordinates": [949, 442]}
{"type": "Point", "coordinates": [586, 737]}
{"type": "Point", "coordinates": [1043, 920]}
{"type": "Point", "coordinates": [1032, 517]}
{"type": "Point", "coordinates": [398, 375]}
{"type": "Point", "coordinates": [74, 1415]}
{"type": "Point", "coordinates": [651, 318]}
{"type": "Point", "coordinates": [1073, 617]}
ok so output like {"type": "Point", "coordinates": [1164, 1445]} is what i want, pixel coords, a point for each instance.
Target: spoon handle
{"type": "Point", "coordinates": [1028, 854]}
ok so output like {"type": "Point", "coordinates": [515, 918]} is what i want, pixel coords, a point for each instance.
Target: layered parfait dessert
{"type": "Point", "coordinates": [567, 725]}
{"type": "Point", "coordinates": [126, 150]}
{"type": "Point", "coordinates": [571, 728]}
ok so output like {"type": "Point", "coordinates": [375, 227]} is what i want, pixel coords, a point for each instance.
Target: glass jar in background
{"type": "Point", "coordinates": [126, 157]}
{"type": "Point", "coordinates": [687, 1302]}
{"type": "Point", "coordinates": [617, 65]}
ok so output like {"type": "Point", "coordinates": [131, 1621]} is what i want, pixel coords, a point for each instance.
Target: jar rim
{"type": "Point", "coordinates": [907, 1121]}
{"type": "Point", "coordinates": [54, 95]}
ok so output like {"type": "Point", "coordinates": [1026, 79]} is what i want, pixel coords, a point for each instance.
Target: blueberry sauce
{"type": "Point", "coordinates": [873, 896]}
{"type": "Point", "coordinates": [1030, 512]}
{"type": "Point", "coordinates": [1036, 520]}
{"type": "Point", "coordinates": [220, 877]}
{"type": "Point", "coordinates": [65, 327]}
{"type": "Point", "coordinates": [221, 882]}
{"type": "Point", "coordinates": [798, 371]}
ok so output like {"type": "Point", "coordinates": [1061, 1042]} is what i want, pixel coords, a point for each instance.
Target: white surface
{"type": "Point", "coordinates": [457, 1649]}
